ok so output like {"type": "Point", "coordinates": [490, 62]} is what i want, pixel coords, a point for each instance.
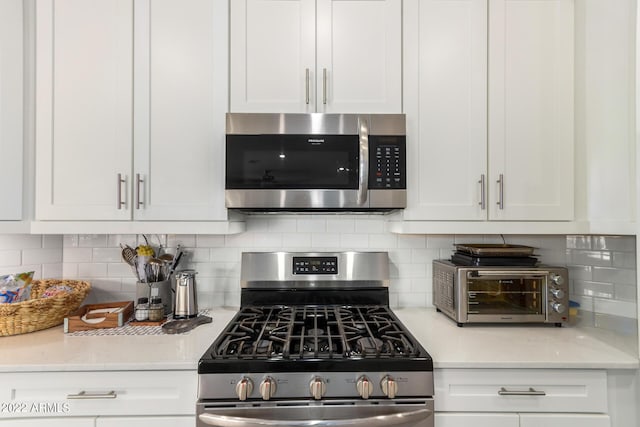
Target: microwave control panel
{"type": "Point", "coordinates": [387, 162]}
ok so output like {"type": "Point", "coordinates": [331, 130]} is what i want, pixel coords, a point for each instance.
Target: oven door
{"type": "Point", "coordinates": [504, 296]}
{"type": "Point", "coordinates": [304, 413]}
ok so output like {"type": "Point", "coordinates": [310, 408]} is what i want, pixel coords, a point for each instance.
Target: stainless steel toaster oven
{"type": "Point", "coordinates": [498, 294]}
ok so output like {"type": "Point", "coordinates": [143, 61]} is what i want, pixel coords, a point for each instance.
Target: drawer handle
{"type": "Point", "coordinates": [531, 392]}
{"type": "Point", "coordinates": [84, 395]}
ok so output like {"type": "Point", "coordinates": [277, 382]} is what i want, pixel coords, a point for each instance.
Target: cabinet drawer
{"type": "Point", "coordinates": [527, 390]}
{"type": "Point", "coordinates": [39, 394]}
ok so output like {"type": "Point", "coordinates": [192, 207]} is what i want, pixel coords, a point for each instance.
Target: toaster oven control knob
{"type": "Point", "coordinates": [557, 279]}
{"type": "Point", "coordinates": [244, 388]}
{"type": "Point", "coordinates": [318, 388]}
{"type": "Point", "coordinates": [558, 293]}
{"type": "Point", "coordinates": [267, 388]}
{"type": "Point", "coordinates": [389, 387]}
{"type": "Point", "coordinates": [558, 307]}
{"type": "Point", "coordinates": [364, 386]}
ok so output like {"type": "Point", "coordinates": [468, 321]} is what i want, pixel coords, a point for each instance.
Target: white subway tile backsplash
{"type": "Point", "coordinates": [614, 275]}
{"type": "Point", "coordinates": [92, 240]}
{"type": "Point", "coordinates": [296, 240]}
{"type": "Point", "coordinates": [185, 240]}
{"type": "Point", "coordinates": [626, 292]}
{"type": "Point", "coordinates": [613, 243]}
{"type": "Point", "coordinates": [311, 225]}
{"type": "Point", "coordinates": [51, 241]}
{"type": "Point", "coordinates": [341, 226]}
{"type": "Point", "coordinates": [20, 241]}
{"type": "Point", "coordinates": [120, 269]}
{"type": "Point", "coordinates": [41, 256]}
{"type": "Point", "coordinates": [442, 241]}
{"type": "Point", "coordinates": [412, 241]}
{"type": "Point", "coordinates": [107, 254]}
{"type": "Point", "coordinates": [71, 241]}
{"type": "Point", "coordinates": [96, 269]}
{"type": "Point", "coordinates": [578, 242]}
{"type": "Point", "coordinates": [354, 241]}
{"type": "Point", "coordinates": [593, 289]}
{"type": "Point", "coordinates": [624, 260]}
{"type": "Point", "coordinates": [74, 254]}
{"type": "Point", "coordinates": [384, 241]}
{"type": "Point", "coordinates": [52, 271]}
{"type": "Point", "coordinates": [615, 307]}
{"type": "Point", "coordinates": [243, 240]}
{"type": "Point", "coordinates": [118, 240]}
{"type": "Point", "coordinates": [282, 225]}
{"type": "Point", "coordinates": [271, 241]}
{"type": "Point", "coordinates": [369, 226]}
{"type": "Point", "coordinates": [580, 272]}
{"type": "Point", "coordinates": [594, 258]}
{"type": "Point", "coordinates": [9, 258]}
{"type": "Point", "coordinates": [209, 241]}
{"type": "Point", "coordinates": [325, 240]}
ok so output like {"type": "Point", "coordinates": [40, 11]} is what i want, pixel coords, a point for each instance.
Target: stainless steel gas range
{"type": "Point", "coordinates": [315, 344]}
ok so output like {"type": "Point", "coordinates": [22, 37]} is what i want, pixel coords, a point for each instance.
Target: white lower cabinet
{"type": "Point", "coordinates": [104, 398]}
{"type": "Point", "coordinates": [49, 422]}
{"type": "Point", "coordinates": [182, 421]}
{"type": "Point", "coordinates": [475, 419]}
{"type": "Point", "coordinates": [521, 398]}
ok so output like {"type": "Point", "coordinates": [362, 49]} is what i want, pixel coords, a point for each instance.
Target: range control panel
{"type": "Point", "coordinates": [387, 162]}
{"type": "Point", "coordinates": [315, 265]}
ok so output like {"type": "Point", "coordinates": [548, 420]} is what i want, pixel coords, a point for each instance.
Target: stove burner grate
{"type": "Point", "coordinates": [314, 332]}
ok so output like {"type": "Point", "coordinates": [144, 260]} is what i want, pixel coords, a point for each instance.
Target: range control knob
{"type": "Point", "coordinates": [318, 388]}
{"type": "Point", "coordinates": [364, 387]}
{"type": "Point", "coordinates": [558, 293]}
{"type": "Point", "coordinates": [557, 279]}
{"type": "Point", "coordinates": [267, 388]}
{"type": "Point", "coordinates": [244, 388]}
{"type": "Point", "coordinates": [558, 307]}
{"type": "Point", "coordinates": [389, 387]}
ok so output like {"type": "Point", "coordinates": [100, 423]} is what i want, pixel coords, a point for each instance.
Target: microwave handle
{"type": "Point", "coordinates": [363, 176]}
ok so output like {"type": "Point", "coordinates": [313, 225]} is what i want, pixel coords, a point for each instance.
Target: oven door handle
{"type": "Point", "coordinates": [363, 173]}
{"type": "Point", "coordinates": [397, 419]}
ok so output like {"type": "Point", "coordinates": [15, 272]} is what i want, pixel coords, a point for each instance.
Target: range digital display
{"type": "Point", "coordinates": [315, 265]}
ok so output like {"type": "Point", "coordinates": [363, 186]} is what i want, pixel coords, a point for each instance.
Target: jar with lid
{"type": "Point", "coordinates": [142, 309]}
{"type": "Point", "coordinates": [156, 309]}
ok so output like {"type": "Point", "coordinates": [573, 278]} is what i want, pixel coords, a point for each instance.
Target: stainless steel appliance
{"type": "Point", "coordinates": [315, 162]}
{"type": "Point", "coordinates": [315, 344]}
{"type": "Point", "coordinates": [186, 295]}
{"type": "Point", "coordinates": [501, 294]}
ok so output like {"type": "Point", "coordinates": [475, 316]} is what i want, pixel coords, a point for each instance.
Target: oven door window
{"type": "Point", "coordinates": [506, 295]}
{"type": "Point", "coordinates": [292, 162]}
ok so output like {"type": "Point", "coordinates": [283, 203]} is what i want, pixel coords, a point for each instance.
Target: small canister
{"type": "Point", "coordinates": [156, 309]}
{"type": "Point", "coordinates": [142, 309]}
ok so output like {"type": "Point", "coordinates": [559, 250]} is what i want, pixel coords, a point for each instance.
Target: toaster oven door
{"type": "Point", "coordinates": [500, 296]}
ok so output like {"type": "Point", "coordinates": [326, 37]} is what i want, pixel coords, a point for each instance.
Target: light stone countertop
{"type": "Point", "coordinates": [472, 346]}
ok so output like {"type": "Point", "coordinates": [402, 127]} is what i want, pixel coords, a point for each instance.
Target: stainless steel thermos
{"type": "Point", "coordinates": [186, 299]}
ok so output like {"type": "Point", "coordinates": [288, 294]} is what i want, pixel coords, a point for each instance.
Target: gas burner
{"type": "Point", "coordinates": [368, 345]}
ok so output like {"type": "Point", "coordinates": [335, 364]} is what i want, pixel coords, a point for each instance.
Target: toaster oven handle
{"type": "Point", "coordinates": [503, 272]}
{"type": "Point", "coordinates": [363, 174]}
{"type": "Point", "coordinates": [397, 419]}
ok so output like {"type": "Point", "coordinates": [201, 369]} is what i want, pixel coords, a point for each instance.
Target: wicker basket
{"type": "Point", "coordinates": [42, 313]}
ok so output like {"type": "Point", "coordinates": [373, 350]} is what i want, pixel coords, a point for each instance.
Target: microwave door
{"type": "Point", "coordinates": [293, 171]}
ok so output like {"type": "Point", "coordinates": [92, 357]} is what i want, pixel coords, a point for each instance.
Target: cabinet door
{"type": "Point", "coordinates": [49, 422]}
{"type": "Point", "coordinates": [467, 419]}
{"type": "Point", "coordinates": [179, 110]}
{"type": "Point", "coordinates": [84, 115]}
{"type": "Point", "coordinates": [359, 56]}
{"type": "Point", "coordinates": [272, 56]}
{"type": "Point", "coordinates": [531, 109]}
{"type": "Point", "coordinates": [445, 89]}
{"type": "Point", "coordinates": [11, 109]}
{"type": "Point", "coordinates": [564, 420]}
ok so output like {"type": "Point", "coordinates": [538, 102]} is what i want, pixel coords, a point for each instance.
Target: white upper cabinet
{"type": "Point", "coordinates": [180, 103]}
{"type": "Point", "coordinates": [84, 96]}
{"type": "Point", "coordinates": [489, 85]}
{"type": "Point", "coordinates": [123, 136]}
{"type": "Point", "coordinates": [11, 111]}
{"type": "Point", "coordinates": [316, 56]}
{"type": "Point", "coordinates": [531, 109]}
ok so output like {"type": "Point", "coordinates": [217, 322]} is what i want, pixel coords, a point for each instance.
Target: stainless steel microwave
{"type": "Point", "coordinates": [315, 162]}
{"type": "Point", "coordinates": [496, 294]}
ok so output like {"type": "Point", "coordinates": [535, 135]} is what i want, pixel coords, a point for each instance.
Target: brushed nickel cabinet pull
{"type": "Point", "coordinates": [139, 201]}
{"type": "Point", "coordinates": [84, 395]}
{"type": "Point", "coordinates": [483, 200]}
{"type": "Point", "coordinates": [306, 82]}
{"type": "Point", "coordinates": [500, 182]}
{"type": "Point", "coordinates": [531, 392]}
{"type": "Point", "coordinates": [120, 202]}
{"type": "Point", "coordinates": [324, 86]}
